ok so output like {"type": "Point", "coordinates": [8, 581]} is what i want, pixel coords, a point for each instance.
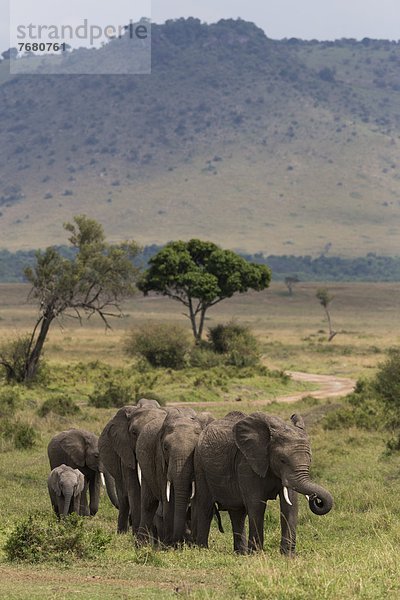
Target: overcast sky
{"type": "Point", "coordinates": [307, 19]}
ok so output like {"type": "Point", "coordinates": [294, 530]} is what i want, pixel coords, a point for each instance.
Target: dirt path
{"type": "Point", "coordinates": [329, 386]}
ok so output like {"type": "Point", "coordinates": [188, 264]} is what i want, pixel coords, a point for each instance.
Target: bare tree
{"type": "Point", "coordinates": [325, 299]}
{"type": "Point", "coordinates": [290, 282]}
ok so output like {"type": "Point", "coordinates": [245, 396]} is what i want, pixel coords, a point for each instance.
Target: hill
{"type": "Point", "coordinates": [280, 147]}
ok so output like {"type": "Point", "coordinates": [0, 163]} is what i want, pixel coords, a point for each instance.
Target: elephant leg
{"type": "Point", "coordinates": [238, 518]}
{"type": "Point", "coordinates": [84, 507]}
{"type": "Point", "coordinates": [133, 487]}
{"type": "Point", "coordinates": [123, 511]}
{"type": "Point", "coordinates": [202, 517]}
{"type": "Point", "coordinates": [94, 494]}
{"type": "Point", "coordinates": [168, 519]}
{"type": "Point", "coordinates": [256, 512]}
{"type": "Point", "coordinates": [54, 501]}
{"type": "Point", "coordinates": [75, 504]}
{"type": "Point", "coordinates": [288, 523]}
{"type": "Point", "coordinates": [60, 505]}
{"type": "Point", "coordinates": [149, 504]}
{"type": "Point", "coordinates": [158, 524]}
{"type": "Point", "coordinates": [56, 509]}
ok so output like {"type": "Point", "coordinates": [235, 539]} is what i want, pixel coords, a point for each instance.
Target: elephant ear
{"type": "Point", "coordinates": [54, 482]}
{"type": "Point", "coordinates": [119, 436]}
{"type": "Point", "coordinates": [73, 443]}
{"type": "Point", "coordinates": [80, 483]}
{"type": "Point", "coordinates": [205, 418]}
{"type": "Point", "coordinates": [166, 429]}
{"type": "Point", "coordinates": [252, 436]}
{"type": "Point", "coordinates": [298, 421]}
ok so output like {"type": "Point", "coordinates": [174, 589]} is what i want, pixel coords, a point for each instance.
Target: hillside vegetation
{"type": "Point", "coordinates": [283, 147]}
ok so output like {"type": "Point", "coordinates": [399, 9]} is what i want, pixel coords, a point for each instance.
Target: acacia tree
{"type": "Point", "coordinates": [199, 274]}
{"type": "Point", "coordinates": [93, 282]}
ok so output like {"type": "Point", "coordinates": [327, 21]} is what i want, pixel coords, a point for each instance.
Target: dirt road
{"type": "Point", "coordinates": [329, 386]}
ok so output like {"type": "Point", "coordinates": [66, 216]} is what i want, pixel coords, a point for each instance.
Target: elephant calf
{"type": "Point", "coordinates": [65, 488]}
{"type": "Point", "coordinates": [79, 449]}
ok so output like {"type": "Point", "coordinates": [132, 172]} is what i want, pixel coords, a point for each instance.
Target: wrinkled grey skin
{"type": "Point", "coordinates": [65, 486]}
{"type": "Point", "coordinates": [117, 447]}
{"type": "Point", "coordinates": [243, 461]}
{"type": "Point", "coordinates": [165, 451]}
{"type": "Point", "coordinates": [78, 449]}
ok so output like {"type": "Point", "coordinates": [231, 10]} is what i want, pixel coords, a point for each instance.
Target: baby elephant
{"type": "Point", "coordinates": [65, 487]}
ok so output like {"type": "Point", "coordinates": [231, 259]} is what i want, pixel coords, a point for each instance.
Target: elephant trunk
{"type": "Point", "coordinates": [67, 502]}
{"type": "Point", "coordinates": [111, 491]}
{"type": "Point", "coordinates": [94, 492]}
{"type": "Point", "coordinates": [319, 499]}
{"type": "Point", "coordinates": [182, 483]}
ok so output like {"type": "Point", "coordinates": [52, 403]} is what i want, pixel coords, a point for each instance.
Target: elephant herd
{"type": "Point", "coordinates": [169, 471]}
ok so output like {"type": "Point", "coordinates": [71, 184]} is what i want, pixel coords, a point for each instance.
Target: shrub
{"type": "Point", "coordinates": [161, 344]}
{"type": "Point", "coordinates": [13, 354]}
{"type": "Point", "coordinates": [59, 405]}
{"type": "Point", "coordinates": [362, 409]}
{"type": "Point", "coordinates": [237, 343]}
{"type": "Point", "coordinates": [39, 538]}
{"type": "Point", "coordinates": [18, 435]}
{"type": "Point", "coordinates": [9, 401]}
{"type": "Point", "coordinates": [111, 394]}
{"type": "Point", "coordinates": [13, 357]}
{"type": "Point", "coordinates": [25, 436]}
{"type": "Point", "coordinates": [387, 379]}
{"type": "Point", "coordinates": [204, 358]}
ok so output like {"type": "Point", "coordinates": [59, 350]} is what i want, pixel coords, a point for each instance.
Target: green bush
{"type": "Point", "coordinates": [38, 538]}
{"type": "Point", "coordinates": [17, 435]}
{"type": "Point", "coordinates": [111, 394]}
{"type": "Point", "coordinates": [236, 342]}
{"type": "Point", "coordinates": [13, 355]}
{"type": "Point", "coordinates": [25, 436]}
{"type": "Point", "coordinates": [387, 379]}
{"type": "Point", "coordinates": [9, 401]}
{"type": "Point", "coordinates": [361, 409]}
{"type": "Point", "coordinates": [59, 405]}
{"type": "Point", "coordinates": [161, 344]}
{"type": "Point", "coordinates": [205, 358]}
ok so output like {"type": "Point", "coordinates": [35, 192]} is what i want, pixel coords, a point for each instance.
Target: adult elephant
{"type": "Point", "coordinates": [65, 486]}
{"type": "Point", "coordinates": [243, 461]}
{"type": "Point", "coordinates": [117, 447]}
{"type": "Point", "coordinates": [164, 452]}
{"type": "Point", "coordinates": [79, 449]}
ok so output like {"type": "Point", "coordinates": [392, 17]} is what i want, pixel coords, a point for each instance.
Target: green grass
{"type": "Point", "coordinates": [292, 330]}
{"type": "Point", "coordinates": [350, 553]}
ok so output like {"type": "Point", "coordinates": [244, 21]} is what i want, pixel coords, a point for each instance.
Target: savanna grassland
{"type": "Point", "coordinates": [350, 553]}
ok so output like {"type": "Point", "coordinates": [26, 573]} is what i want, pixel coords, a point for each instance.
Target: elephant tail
{"type": "Point", "coordinates": [111, 490]}
{"type": "Point", "coordinates": [218, 519]}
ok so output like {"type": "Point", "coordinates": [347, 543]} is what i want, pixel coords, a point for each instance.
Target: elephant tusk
{"type": "Point", "coordinates": [139, 474]}
{"type": "Point", "coordinates": [103, 481]}
{"type": "Point", "coordinates": [308, 497]}
{"type": "Point", "coordinates": [286, 495]}
{"type": "Point", "coordinates": [193, 490]}
{"type": "Point", "coordinates": [168, 490]}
